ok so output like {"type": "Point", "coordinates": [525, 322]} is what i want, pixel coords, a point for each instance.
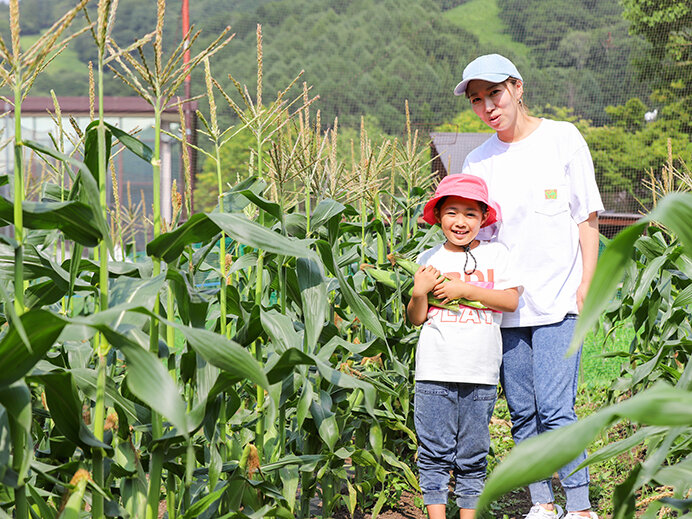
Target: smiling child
{"type": "Point", "coordinates": [459, 351]}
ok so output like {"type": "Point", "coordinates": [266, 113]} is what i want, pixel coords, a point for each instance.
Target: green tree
{"type": "Point", "coordinates": [629, 116]}
{"type": "Point", "coordinates": [667, 26]}
{"type": "Point", "coordinates": [465, 121]}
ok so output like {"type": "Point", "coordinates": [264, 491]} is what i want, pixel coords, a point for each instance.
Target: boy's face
{"type": "Point", "coordinates": [460, 219]}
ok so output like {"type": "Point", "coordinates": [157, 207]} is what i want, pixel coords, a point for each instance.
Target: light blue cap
{"type": "Point", "coordinates": [490, 67]}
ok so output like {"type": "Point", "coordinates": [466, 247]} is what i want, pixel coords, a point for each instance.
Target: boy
{"type": "Point", "coordinates": [459, 351]}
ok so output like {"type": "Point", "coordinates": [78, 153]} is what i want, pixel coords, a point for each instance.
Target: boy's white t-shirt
{"type": "Point", "coordinates": [545, 186]}
{"type": "Point", "coordinates": [464, 345]}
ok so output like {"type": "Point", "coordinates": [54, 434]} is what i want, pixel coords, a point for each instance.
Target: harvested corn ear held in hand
{"type": "Point", "coordinates": [389, 279]}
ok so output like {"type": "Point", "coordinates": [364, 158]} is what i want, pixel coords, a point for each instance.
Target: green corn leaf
{"type": "Point", "coordinates": [66, 411]}
{"type": "Point", "coordinates": [91, 148]}
{"type": "Point", "coordinates": [169, 246]}
{"type": "Point", "coordinates": [45, 511]}
{"type": "Point", "coordinates": [74, 219]}
{"type": "Point", "coordinates": [358, 305]}
{"type": "Point", "coordinates": [254, 235]}
{"type": "Point", "coordinates": [647, 276]}
{"type": "Point", "coordinates": [390, 458]}
{"type": "Point", "coordinates": [244, 262]}
{"type": "Point", "coordinates": [684, 297]}
{"type": "Point", "coordinates": [313, 296]}
{"type": "Point", "coordinates": [375, 437]}
{"type": "Point", "coordinates": [284, 366]}
{"type": "Point", "coordinates": [16, 399]}
{"type": "Point", "coordinates": [202, 505]}
{"type": "Point", "coordinates": [304, 403]}
{"type": "Point", "coordinates": [43, 294]}
{"type": "Point", "coordinates": [324, 212]}
{"type": "Point", "coordinates": [618, 447]}
{"type": "Point", "coordinates": [290, 476]}
{"type": "Point", "coordinates": [325, 420]}
{"type": "Point", "coordinates": [75, 262]}
{"type": "Point", "coordinates": [271, 208]}
{"type": "Point", "coordinates": [132, 143]}
{"type": "Point", "coordinates": [677, 476]}
{"type": "Point", "coordinates": [223, 353]}
{"type": "Point", "coordinates": [86, 181]}
{"type": "Point", "coordinates": [42, 329]}
{"type": "Point", "coordinates": [539, 457]}
{"type": "Point", "coordinates": [149, 380]}
{"type": "Point", "coordinates": [86, 382]}
{"type": "Point", "coordinates": [192, 305]}
{"type": "Point", "coordinates": [13, 318]}
{"type": "Point", "coordinates": [279, 328]}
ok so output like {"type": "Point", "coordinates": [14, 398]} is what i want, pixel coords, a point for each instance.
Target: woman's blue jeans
{"type": "Point", "coordinates": [451, 422]}
{"type": "Point", "coordinates": [540, 384]}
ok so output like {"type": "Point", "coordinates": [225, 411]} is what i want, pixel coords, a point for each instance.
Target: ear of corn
{"type": "Point", "coordinates": [389, 278]}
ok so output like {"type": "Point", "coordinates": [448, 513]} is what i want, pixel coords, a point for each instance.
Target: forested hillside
{"type": "Point", "coordinates": [601, 63]}
{"type": "Point", "coordinates": [369, 56]}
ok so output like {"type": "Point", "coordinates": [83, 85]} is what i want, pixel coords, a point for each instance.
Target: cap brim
{"type": "Point", "coordinates": [492, 78]}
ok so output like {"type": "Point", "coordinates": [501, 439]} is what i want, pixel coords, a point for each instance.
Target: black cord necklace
{"type": "Point", "coordinates": [467, 250]}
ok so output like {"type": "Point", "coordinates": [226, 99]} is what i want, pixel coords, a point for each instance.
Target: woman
{"type": "Point", "coordinates": [540, 172]}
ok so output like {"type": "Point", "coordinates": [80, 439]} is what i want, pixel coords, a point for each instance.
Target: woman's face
{"type": "Point", "coordinates": [497, 104]}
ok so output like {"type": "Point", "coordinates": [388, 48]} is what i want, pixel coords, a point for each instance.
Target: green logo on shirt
{"type": "Point", "coordinates": [551, 194]}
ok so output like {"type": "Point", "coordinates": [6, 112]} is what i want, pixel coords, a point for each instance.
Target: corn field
{"type": "Point", "coordinates": [131, 389]}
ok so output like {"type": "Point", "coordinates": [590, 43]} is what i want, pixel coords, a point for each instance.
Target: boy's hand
{"type": "Point", "coordinates": [424, 280]}
{"type": "Point", "coordinates": [450, 289]}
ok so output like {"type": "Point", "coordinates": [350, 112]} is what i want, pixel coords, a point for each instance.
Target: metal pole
{"type": "Point", "coordinates": [186, 108]}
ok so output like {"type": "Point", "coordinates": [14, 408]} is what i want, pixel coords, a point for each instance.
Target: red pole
{"type": "Point", "coordinates": [186, 108]}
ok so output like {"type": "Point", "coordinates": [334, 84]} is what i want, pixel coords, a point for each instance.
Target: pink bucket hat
{"type": "Point", "coordinates": [463, 186]}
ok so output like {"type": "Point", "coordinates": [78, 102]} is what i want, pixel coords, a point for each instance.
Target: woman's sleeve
{"type": "Point", "coordinates": [584, 196]}
{"type": "Point", "coordinates": [507, 275]}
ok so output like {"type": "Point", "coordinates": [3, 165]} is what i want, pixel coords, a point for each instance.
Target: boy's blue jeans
{"type": "Point", "coordinates": [451, 422]}
{"type": "Point", "coordinates": [541, 389]}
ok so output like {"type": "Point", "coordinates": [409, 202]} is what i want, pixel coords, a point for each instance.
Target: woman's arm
{"type": "Point", "coordinates": [588, 241]}
{"type": "Point", "coordinates": [505, 300]}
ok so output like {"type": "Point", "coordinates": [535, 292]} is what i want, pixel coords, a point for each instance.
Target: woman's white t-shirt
{"type": "Point", "coordinates": [545, 186]}
{"type": "Point", "coordinates": [464, 345]}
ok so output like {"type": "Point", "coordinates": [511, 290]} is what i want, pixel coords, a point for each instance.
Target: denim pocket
{"type": "Point", "coordinates": [484, 392]}
{"type": "Point", "coordinates": [424, 387]}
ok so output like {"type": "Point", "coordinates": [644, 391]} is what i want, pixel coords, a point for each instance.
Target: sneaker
{"type": "Point", "coordinates": [575, 515]}
{"type": "Point", "coordinates": [538, 512]}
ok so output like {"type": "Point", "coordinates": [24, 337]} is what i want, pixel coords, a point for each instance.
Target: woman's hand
{"type": "Point", "coordinates": [581, 294]}
{"type": "Point", "coordinates": [424, 280]}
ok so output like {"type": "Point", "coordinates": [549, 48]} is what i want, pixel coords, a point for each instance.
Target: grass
{"type": "Point", "coordinates": [481, 18]}
{"type": "Point", "coordinates": [596, 370]}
